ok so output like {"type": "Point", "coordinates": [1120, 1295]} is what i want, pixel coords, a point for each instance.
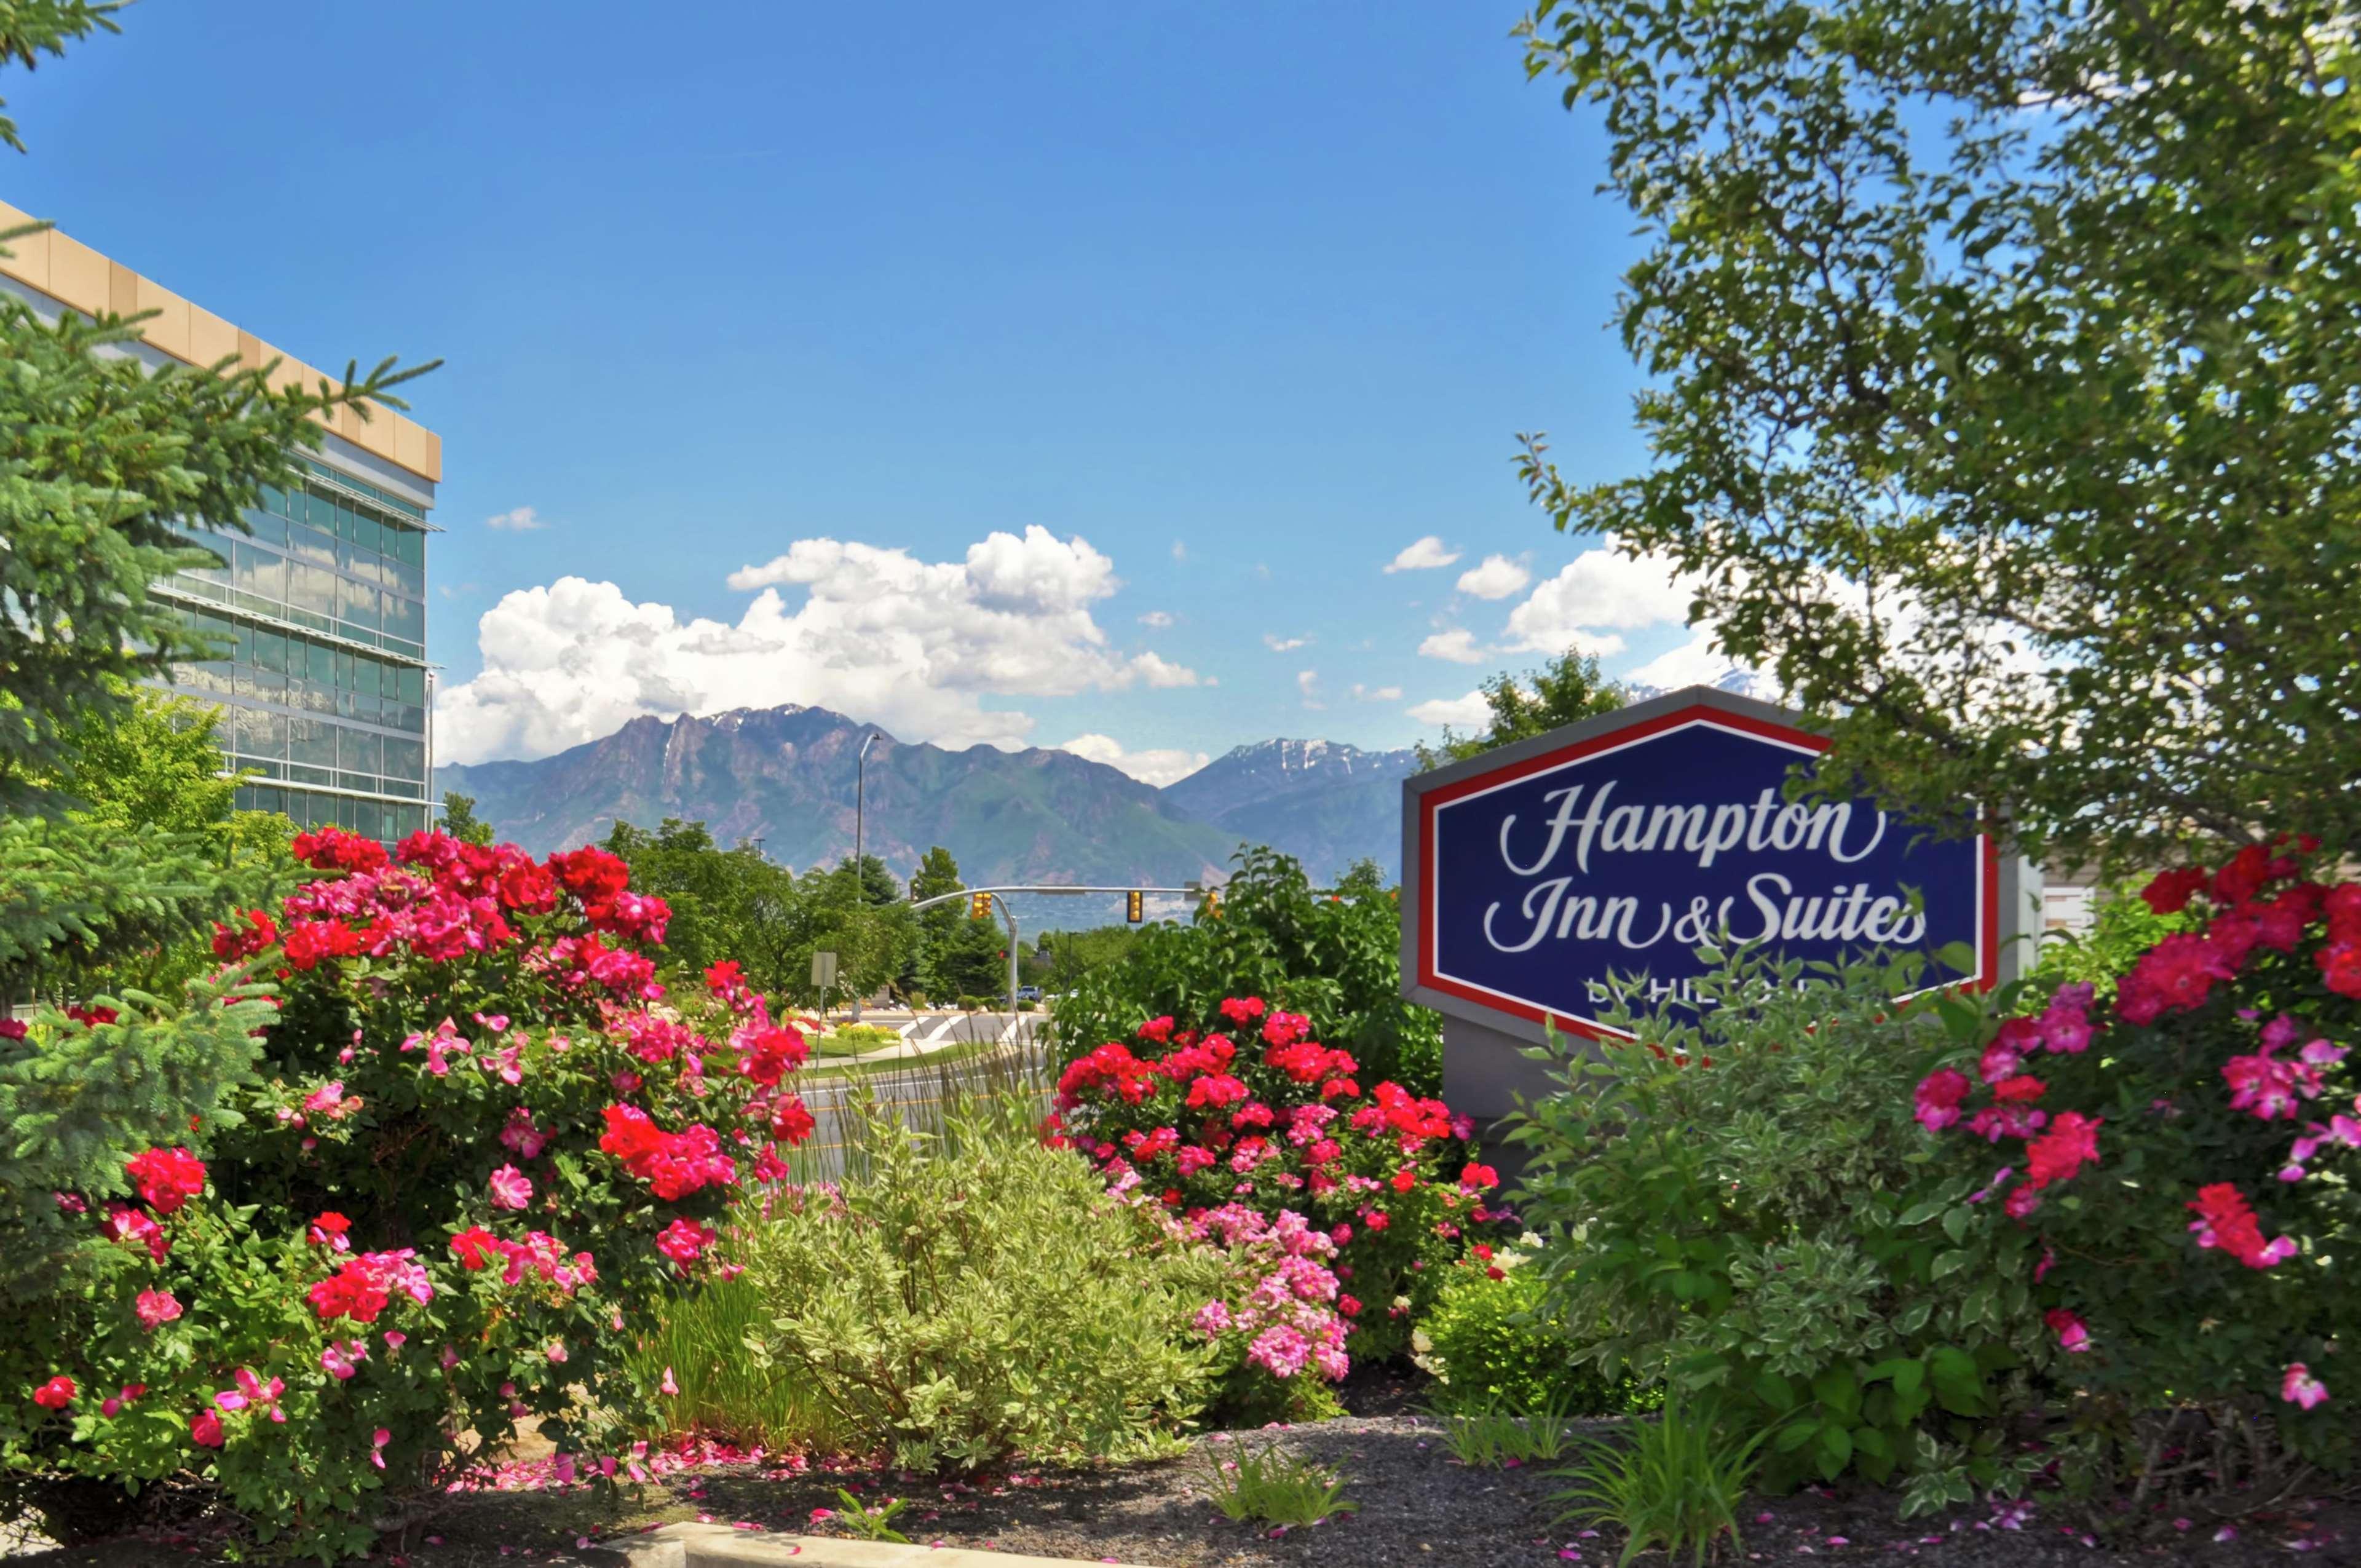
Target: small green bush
{"type": "Point", "coordinates": [1489, 1347]}
{"type": "Point", "coordinates": [970, 1295]}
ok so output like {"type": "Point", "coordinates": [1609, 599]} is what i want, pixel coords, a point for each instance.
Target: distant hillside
{"type": "Point", "coordinates": [785, 775]}
{"type": "Point", "coordinates": [1326, 803]}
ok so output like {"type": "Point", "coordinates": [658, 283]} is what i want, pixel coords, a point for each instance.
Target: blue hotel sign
{"type": "Point", "coordinates": [1545, 876]}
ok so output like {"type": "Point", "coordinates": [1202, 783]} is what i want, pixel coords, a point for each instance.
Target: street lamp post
{"type": "Point", "coordinates": [860, 864]}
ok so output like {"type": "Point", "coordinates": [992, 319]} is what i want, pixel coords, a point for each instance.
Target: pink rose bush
{"type": "Point", "coordinates": [1249, 1114]}
{"type": "Point", "coordinates": [484, 1139]}
{"type": "Point", "coordinates": [2171, 1171]}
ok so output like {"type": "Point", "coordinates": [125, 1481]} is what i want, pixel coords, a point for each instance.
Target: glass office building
{"type": "Point", "coordinates": [324, 681]}
{"type": "Point", "coordinates": [320, 611]}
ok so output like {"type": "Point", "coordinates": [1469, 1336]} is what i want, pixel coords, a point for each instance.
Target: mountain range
{"type": "Point", "coordinates": [785, 777]}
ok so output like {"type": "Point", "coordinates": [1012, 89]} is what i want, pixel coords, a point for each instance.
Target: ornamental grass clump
{"type": "Point", "coordinates": [2173, 1172]}
{"type": "Point", "coordinates": [479, 1143]}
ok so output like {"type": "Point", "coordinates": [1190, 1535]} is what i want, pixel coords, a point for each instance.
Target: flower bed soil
{"type": "Point", "coordinates": [1416, 1506]}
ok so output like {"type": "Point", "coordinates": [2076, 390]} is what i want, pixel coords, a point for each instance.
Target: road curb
{"type": "Point", "coordinates": [724, 1546]}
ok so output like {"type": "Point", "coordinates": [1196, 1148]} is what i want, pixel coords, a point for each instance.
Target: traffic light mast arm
{"type": "Point", "coordinates": [1193, 890]}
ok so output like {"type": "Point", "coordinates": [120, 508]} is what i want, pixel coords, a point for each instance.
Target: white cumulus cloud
{"type": "Point", "coordinates": [1599, 593]}
{"type": "Point", "coordinates": [1158, 766]}
{"type": "Point", "coordinates": [1278, 644]}
{"type": "Point", "coordinates": [914, 645]}
{"type": "Point", "coordinates": [1424, 556]}
{"type": "Point", "coordinates": [1157, 618]}
{"type": "Point", "coordinates": [1693, 663]}
{"type": "Point", "coordinates": [522, 519]}
{"type": "Point", "coordinates": [1497, 579]}
{"type": "Point", "coordinates": [1457, 645]}
{"type": "Point", "coordinates": [1469, 712]}
{"type": "Point", "coordinates": [1308, 683]}
{"type": "Point", "coordinates": [1376, 694]}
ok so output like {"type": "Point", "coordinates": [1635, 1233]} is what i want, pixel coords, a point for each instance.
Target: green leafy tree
{"type": "Point", "coordinates": [459, 819]}
{"type": "Point", "coordinates": [2005, 388]}
{"type": "Point", "coordinates": [1566, 691]}
{"type": "Point", "coordinates": [112, 474]}
{"type": "Point", "coordinates": [726, 904]}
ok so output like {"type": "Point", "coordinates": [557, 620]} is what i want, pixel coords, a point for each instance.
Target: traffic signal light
{"type": "Point", "coordinates": [979, 906]}
{"type": "Point", "coordinates": [1135, 906]}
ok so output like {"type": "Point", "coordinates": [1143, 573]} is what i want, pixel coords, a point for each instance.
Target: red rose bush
{"type": "Point", "coordinates": [2176, 1166]}
{"type": "Point", "coordinates": [1343, 1201]}
{"type": "Point", "coordinates": [483, 1140]}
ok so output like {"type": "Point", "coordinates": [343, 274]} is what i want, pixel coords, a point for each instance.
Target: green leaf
{"type": "Point", "coordinates": [1835, 1449]}
{"type": "Point", "coordinates": [1949, 1263]}
{"type": "Point", "coordinates": [1955, 1223]}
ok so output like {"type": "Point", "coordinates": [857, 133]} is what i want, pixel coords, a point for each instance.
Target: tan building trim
{"type": "Point", "coordinates": [66, 269]}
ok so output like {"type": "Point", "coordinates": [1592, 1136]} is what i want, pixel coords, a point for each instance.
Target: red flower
{"type": "Point", "coordinates": [2022, 1087]}
{"type": "Point", "coordinates": [1405, 1178]}
{"type": "Point", "coordinates": [791, 1123]}
{"type": "Point", "coordinates": [771, 1054]}
{"type": "Point", "coordinates": [473, 1246]}
{"type": "Point", "coordinates": [166, 1177]}
{"type": "Point", "coordinates": [1477, 1177]}
{"type": "Point", "coordinates": [258, 932]}
{"type": "Point", "coordinates": [2057, 1154]}
{"type": "Point", "coordinates": [309, 941]}
{"type": "Point", "coordinates": [205, 1430]}
{"type": "Point", "coordinates": [56, 1394]}
{"type": "Point", "coordinates": [333, 850]}
{"type": "Point", "coordinates": [1242, 1009]}
{"type": "Point", "coordinates": [2167, 893]}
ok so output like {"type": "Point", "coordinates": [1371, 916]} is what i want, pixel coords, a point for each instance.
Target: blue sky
{"type": "Point", "coordinates": [1250, 296]}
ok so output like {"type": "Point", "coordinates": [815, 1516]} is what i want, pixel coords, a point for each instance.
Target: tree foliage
{"type": "Point", "coordinates": [1566, 691]}
{"type": "Point", "coordinates": [2006, 387]}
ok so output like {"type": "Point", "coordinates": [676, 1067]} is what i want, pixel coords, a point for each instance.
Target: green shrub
{"type": "Point", "coordinates": [1736, 1198]}
{"type": "Point", "coordinates": [970, 1295]}
{"type": "Point", "coordinates": [1490, 1348]}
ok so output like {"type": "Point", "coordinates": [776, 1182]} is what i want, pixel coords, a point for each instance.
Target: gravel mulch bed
{"type": "Point", "coordinates": [1416, 1506]}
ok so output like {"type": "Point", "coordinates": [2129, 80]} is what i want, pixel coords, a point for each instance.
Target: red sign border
{"type": "Point", "coordinates": [1988, 920]}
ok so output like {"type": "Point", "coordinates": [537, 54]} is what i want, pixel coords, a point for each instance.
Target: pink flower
{"type": "Point", "coordinates": [155, 1309]}
{"type": "Point", "coordinates": [555, 1353]}
{"type": "Point", "coordinates": [205, 1430]}
{"type": "Point", "coordinates": [668, 1387]}
{"type": "Point", "coordinates": [2073, 1334]}
{"type": "Point", "coordinates": [2299, 1386]}
{"type": "Point", "coordinates": [1938, 1097]}
{"type": "Point", "coordinates": [343, 1361]}
{"type": "Point", "coordinates": [378, 1440]}
{"type": "Point", "coordinates": [684, 1241]}
{"type": "Point", "coordinates": [511, 1188]}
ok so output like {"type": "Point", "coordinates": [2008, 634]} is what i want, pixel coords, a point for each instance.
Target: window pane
{"type": "Point", "coordinates": [414, 685]}
{"type": "Point", "coordinates": [312, 588]}
{"type": "Point", "coordinates": [260, 572]}
{"type": "Point", "coordinates": [359, 603]}
{"type": "Point", "coordinates": [405, 760]}
{"type": "Point", "coordinates": [270, 530]}
{"type": "Point", "coordinates": [405, 618]}
{"type": "Point", "coordinates": [260, 732]}
{"type": "Point", "coordinates": [312, 545]}
{"type": "Point", "coordinates": [312, 741]}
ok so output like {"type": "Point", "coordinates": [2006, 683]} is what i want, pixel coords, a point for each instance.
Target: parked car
{"type": "Point", "coordinates": [1028, 993]}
